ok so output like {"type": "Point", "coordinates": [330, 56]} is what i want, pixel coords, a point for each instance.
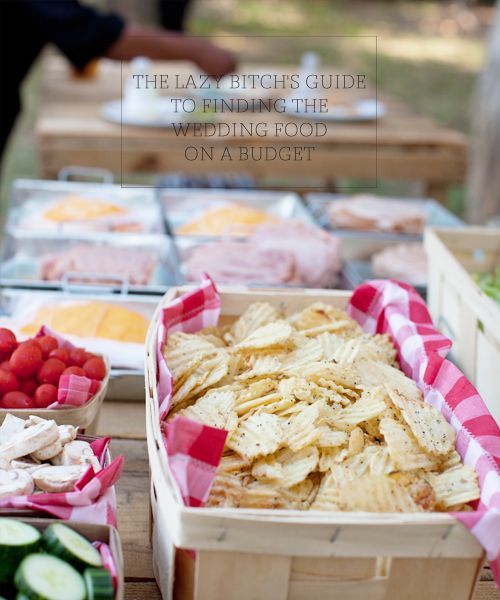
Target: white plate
{"type": "Point", "coordinates": [362, 110]}
{"type": "Point", "coordinates": [164, 115]}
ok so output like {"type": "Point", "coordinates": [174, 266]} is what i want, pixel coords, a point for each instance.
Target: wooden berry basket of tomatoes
{"type": "Point", "coordinates": [30, 377]}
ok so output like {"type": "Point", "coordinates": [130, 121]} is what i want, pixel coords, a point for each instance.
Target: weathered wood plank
{"type": "Point", "coordinates": [133, 508]}
{"type": "Point", "coordinates": [122, 420]}
{"type": "Point", "coordinates": [141, 590]}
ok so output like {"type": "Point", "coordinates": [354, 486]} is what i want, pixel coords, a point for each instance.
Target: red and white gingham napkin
{"type": "Point", "coordinates": [73, 390]}
{"type": "Point", "coordinates": [380, 306]}
{"type": "Point", "coordinates": [92, 501]}
{"type": "Point", "coordinates": [108, 562]}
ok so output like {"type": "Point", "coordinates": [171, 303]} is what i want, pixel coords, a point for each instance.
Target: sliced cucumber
{"type": "Point", "coordinates": [45, 577]}
{"type": "Point", "coordinates": [99, 584]}
{"type": "Point", "coordinates": [17, 540]}
{"type": "Point", "coordinates": [61, 541]}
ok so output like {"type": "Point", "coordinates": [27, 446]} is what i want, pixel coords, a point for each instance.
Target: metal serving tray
{"type": "Point", "coordinates": [184, 245]}
{"type": "Point", "coordinates": [125, 384]}
{"type": "Point", "coordinates": [356, 272]}
{"type": "Point", "coordinates": [21, 259]}
{"type": "Point", "coordinates": [31, 197]}
{"type": "Point", "coordinates": [360, 245]}
{"type": "Point", "coordinates": [180, 206]}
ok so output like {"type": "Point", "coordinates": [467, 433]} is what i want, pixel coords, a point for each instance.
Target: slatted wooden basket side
{"type": "Point", "coordinates": [461, 310]}
{"type": "Point", "coordinates": [288, 554]}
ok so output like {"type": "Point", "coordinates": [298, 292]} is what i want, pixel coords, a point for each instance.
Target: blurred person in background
{"type": "Point", "coordinates": [172, 13]}
{"type": "Point", "coordinates": [82, 34]}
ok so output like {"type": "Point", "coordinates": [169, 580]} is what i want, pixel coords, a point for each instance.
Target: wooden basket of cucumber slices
{"type": "Point", "coordinates": [55, 560]}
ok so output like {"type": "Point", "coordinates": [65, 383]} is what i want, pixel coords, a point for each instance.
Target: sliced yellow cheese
{"type": "Point", "coordinates": [91, 319]}
{"type": "Point", "coordinates": [233, 219]}
{"type": "Point", "coordinates": [77, 208]}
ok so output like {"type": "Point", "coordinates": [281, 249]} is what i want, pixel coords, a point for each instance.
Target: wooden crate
{"type": "Point", "coordinates": [461, 310]}
{"type": "Point", "coordinates": [84, 417]}
{"type": "Point", "coordinates": [94, 533]}
{"type": "Point", "coordinates": [295, 555]}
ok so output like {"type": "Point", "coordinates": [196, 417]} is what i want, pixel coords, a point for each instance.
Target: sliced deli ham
{"type": "Point", "coordinates": [281, 253]}
{"type": "Point", "coordinates": [240, 262]}
{"type": "Point", "coordinates": [372, 213]}
{"type": "Point", "coordinates": [407, 262]}
{"type": "Point", "coordinates": [316, 252]}
{"type": "Point", "coordinates": [133, 265]}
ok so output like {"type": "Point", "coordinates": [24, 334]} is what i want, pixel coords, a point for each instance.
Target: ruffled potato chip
{"type": "Point", "coordinates": [258, 435]}
{"type": "Point", "coordinates": [256, 315]}
{"type": "Point", "coordinates": [258, 495]}
{"type": "Point", "coordinates": [320, 318]}
{"type": "Point", "coordinates": [271, 337]}
{"type": "Point", "coordinates": [370, 405]}
{"type": "Point", "coordinates": [267, 469]}
{"type": "Point", "coordinates": [301, 429]}
{"type": "Point", "coordinates": [376, 493]}
{"type": "Point", "coordinates": [310, 352]}
{"type": "Point", "coordinates": [459, 485]}
{"type": "Point", "coordinates": [297, 465]}
{"type": "Point", "coordinates": [216, 409]}
{"type": "Point", "coordinates": [263, 366]}
{"type": "Point", "coordinates": [404, 449]}
{"type": "Point", "coordinates": [428, 425]}
{"type": "Point", "coordinates": [331, 438]}
{"type": "Point", "coordinates": [226, 491]}
{"type": "Point", "coordinates": [328, 496]}
{"type": "Point", "coordinates": [375, 373]}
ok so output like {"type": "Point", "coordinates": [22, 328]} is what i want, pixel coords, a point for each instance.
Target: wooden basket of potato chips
{"type": "Point", "coordinates": [292, 458]}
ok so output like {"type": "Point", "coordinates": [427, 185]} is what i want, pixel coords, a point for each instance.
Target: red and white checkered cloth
{"type": "Point", "coordinates": [92, 501]}
{"type": "Point", "coordinates": [384, 306]}
{"type": "Point", "coordinates": [108, 562]}
{"type": "Point", "coordinates": [73, 390]}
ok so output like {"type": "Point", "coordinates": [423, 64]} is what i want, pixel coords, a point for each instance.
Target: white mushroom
{"type": "Point", "coordinates": [26, 464]}
{"type": "Point", "coordinates": [49, 451]}
{"type": "Point", "coordinates": [10, 426]}
{"type": "Point", "coordinates": [78, 452]}
{"type": "Point", "coordinates": [15, 482]}
{"type": "Point", "coordinates": [58, 479]}
{"type": "Point", "coordinates": [67, 433]}
{"type": "Point", "coordinates": [30, 440]}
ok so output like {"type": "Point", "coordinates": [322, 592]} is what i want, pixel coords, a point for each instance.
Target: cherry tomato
{"type": "Point", "coordinates": [47, 344]}
{"type": "Point", "coordinates": [28, 387]}
{"type": "Point", "coordinates": [8, 382]}
{"type": "Point", "coordinates": [77, 356]}
{"type": "Point", "coordinates": [45, 395]}
{"type": "Point", "coordinates": [8, 342]}
{"type": "Point", "coordinates": [94, 386]}
{"type": "Point", "coordinates": [50, 371]}
{"type": "Point", "coordinates": [6, 366]}
{"type": "Point", "coordinates": [16, 400]}
{"type": "Point", "coordinates": [74, 371]}
{"type": "Point", "coordinates": [26, 360]}
{"type": "Point", "coordinates": [61, 354]}
{"type": "Point", "coordinates": [95, 368]}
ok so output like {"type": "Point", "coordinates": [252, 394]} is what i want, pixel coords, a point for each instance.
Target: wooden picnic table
{"type": "Point", "coordinates": [400, 146]}
{"type": "Point", "coordinates": [125, 423]}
